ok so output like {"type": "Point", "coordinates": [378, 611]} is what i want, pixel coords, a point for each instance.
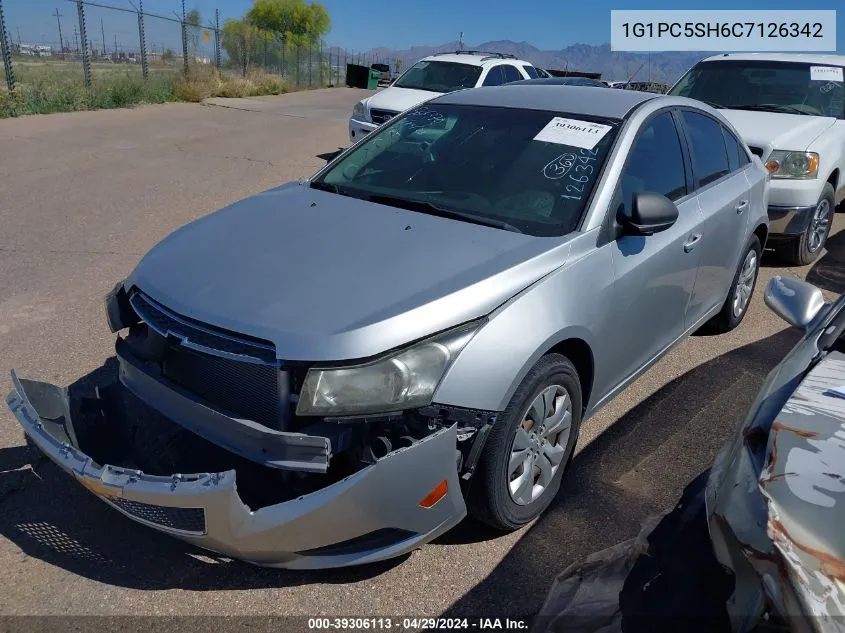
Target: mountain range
{"type": "Point", "coordinates": [664, 67]}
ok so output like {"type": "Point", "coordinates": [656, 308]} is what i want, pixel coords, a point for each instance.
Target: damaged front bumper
{"type": "Point", "coordinates": [373, 514]}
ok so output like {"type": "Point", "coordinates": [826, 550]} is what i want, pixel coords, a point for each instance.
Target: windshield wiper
{"type": "Point", "coordinates": [768, 107]}
{"type": "Point", "coordinates": [713, 104]}
{"type": "Point", "coordinates": [342, 191]}
{"type": "Point", "coordinates": [432, 209]}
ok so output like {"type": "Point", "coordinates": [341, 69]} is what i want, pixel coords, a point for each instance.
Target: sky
{"type": "Point", "coordinates": [365, 24]}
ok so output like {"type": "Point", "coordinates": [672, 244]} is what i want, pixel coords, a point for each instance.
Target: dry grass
{"type": "Point", "coordinates": [199, 86]}
{"type": "Point", "coordinates": [57, 87]}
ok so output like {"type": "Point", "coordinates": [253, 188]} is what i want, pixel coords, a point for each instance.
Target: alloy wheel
{"type": "Point", "coordinates": [819, 225]}
{"type": "Point", "coordinates": [539, 444]}
{"type": "Point", "coordinates": [745, 283]}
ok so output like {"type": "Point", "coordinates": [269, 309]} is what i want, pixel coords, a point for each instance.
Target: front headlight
{"type": "Point", "coordinates": [403, 380]}
{"type": "Point", "coordinates": [795, 165]}
{"type": "Point", "coordinates": [360, 112]}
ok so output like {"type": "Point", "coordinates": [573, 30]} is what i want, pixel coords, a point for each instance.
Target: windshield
{"type": "Point", "coordinates": [439, 76]}
{"type": "Point", "coordinates": [793, 88]}
{"type": "Point", "coordinates": [526, 170]}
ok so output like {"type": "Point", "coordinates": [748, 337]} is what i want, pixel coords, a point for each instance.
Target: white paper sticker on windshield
{"type": "Point", "coordinates": [826, 73]}
{"type": "Point", "coordinates": [572, 132]}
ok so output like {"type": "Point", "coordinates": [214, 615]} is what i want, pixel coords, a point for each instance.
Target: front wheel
{"type": "Point", "coordinates": [529, 447]}
{"type": "Point", "coordinates": [807, 248]}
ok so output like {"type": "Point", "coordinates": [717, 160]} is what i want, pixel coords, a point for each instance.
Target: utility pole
{"type": "Point", "coordinates": [115, 45]}
{"type": "Point", "coordinates": [75, 40]}
{"type": "Point", "coordinates": [61, 41]}
{"type": "Point", "coordinates": [19, 37]}
{"type": "Point", "coordinates": [103, 32]}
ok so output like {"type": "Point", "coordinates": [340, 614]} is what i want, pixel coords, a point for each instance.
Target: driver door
{"type": "Point", "coordinates": [654, 275]}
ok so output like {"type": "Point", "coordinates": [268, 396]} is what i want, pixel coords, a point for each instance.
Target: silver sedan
{"type": "Point", "coordinates": [419, 330]}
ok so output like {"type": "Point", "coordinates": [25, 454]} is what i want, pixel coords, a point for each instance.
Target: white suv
{"type": "Point", "coordinates": [790, 110]}
{"type": "Point", "coordinates": [433, 76]}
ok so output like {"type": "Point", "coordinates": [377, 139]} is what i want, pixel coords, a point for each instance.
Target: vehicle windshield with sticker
{"type": "Point", "coordinates": [522, 170]}
{"type": "Point", "coordinates": [769, 86]}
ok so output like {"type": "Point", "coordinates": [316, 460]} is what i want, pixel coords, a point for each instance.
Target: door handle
{"type": "Point", "coordinates": [691, 242]}
{"type": "Point", "coordinates": [741, 205]}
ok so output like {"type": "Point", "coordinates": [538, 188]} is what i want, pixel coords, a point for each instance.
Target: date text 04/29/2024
{"type": "Point", "coordinates": [417, 624]}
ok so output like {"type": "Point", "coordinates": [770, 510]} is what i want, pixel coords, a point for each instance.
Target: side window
{"type": "Point", "coordinates": [494, 77]}
{"type": "Point", "coordinates": [656, 161]}
{"type": "Point", "coordinates": [707, 145]}
{"type": "Point", "coordinates": [737, 157]}
{"type": "Point", "coordinates": [531, 72]}
{"type": "Point", "coordinates": [512, 74]}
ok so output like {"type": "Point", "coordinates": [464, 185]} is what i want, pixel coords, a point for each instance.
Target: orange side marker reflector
{"type": "Point", "coordinates": [435, 495]}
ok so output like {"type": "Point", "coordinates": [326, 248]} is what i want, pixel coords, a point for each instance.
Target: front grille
{"type": "Point", "coordinates": [237, 376]}
{"type": "Point", "coordinates": [382, 116]}
{"type": "Point", "coordinates": [184, 519]}
{"type": "Point", "coordinates": [168, 323]}
{"type": "Point", "coordinates": [757, 151]}
{"type": "Point", "coordinates": [246, 390]}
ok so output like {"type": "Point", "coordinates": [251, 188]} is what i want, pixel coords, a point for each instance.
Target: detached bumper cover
{"type": "Point", "coordinates": [371, 515]}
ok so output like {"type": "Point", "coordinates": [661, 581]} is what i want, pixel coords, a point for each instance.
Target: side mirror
{"type": "Point", "coordinates": [330, 156]}
{"type": "Point", "coordinates": [793, 300]}
{"type": "Point", "coordinates": [650, 213]}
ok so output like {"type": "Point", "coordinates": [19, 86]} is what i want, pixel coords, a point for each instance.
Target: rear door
{"type": "Point", "coordinates": [512, 73]}
{"type": "Point", "coordinates": [495, 76]}
{"type": "Point", "coordinates": [723, 193]}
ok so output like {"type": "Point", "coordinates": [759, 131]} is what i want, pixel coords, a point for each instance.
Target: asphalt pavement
{"type": "Point", "coordinates": [83, 196]}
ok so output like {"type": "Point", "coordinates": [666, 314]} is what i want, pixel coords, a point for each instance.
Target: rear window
{"type": "Point", "coordinates": [531, 72]}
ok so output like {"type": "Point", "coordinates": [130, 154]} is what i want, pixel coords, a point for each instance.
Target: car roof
{"type": "Point", "coordinates": [610, 104]}
{"type": "Point", "coordinates": [473, 58]}
{"type": "Point", "coordinates": [807, 58]}
{"type": "Point", "coordinates": [563, 81]}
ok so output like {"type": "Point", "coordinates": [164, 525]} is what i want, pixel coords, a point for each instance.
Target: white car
{"type": "Point", "coordinates": [433, 76]}
{"type": "Point", "coordinates": [790, 110]}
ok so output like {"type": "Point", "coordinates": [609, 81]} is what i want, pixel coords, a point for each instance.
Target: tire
{"type": "Point", "coordinates": [744, 282]}
{"type": "Point", "coordinates": [805, 249]}
{"type": "Point", "coordinates": [490, 498]}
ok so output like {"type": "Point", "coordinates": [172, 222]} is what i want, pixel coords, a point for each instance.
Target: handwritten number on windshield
{"type": "Point", "coordinates": [582, 174]}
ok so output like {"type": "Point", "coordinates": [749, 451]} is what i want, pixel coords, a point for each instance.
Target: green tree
{"type": "Point", "coordinates": [241, 41]}
{"type": "Point", "coordinates": [194, 21]}
{"type": "Point", "coordinates": [168, 56]}
{"type": "Point", "coordinates": [295, 21]}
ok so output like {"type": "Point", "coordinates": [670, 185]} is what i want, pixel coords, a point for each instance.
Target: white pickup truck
{"type": "Point", "coordinates": [790, 110]}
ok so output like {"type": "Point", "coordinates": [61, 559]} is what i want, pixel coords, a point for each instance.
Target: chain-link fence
{"type": "Point", "coordinates": [90, 42]}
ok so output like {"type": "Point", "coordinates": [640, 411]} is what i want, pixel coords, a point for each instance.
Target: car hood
{"type": "Point", "coordinates": [399, 99]}
{"type": "Point", "coordinates": [775, 130]}
{"type": "Point", "coordinates": [327, 277]}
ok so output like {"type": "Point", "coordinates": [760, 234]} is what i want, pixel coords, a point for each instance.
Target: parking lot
{"type": "Point", "coordinates": [84, 196]}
